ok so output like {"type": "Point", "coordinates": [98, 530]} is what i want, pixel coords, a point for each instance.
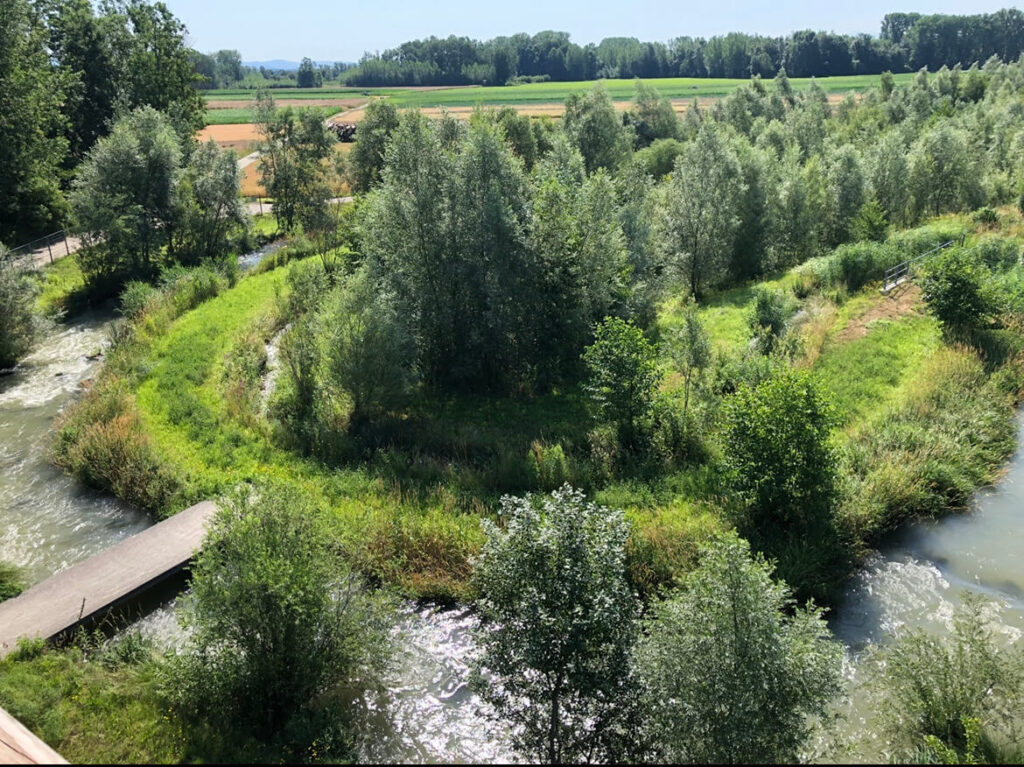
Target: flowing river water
{"type": "Point", "coordinates": [48, 522]}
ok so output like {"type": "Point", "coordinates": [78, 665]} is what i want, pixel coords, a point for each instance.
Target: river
{"type": "Point", "coordinates": [48, 522]}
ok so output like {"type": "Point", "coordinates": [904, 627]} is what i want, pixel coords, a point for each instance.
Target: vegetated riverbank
{"type": "Point", "coordinates": [923, 424]}
{"type": "Point", "coordinates": [173, 419]}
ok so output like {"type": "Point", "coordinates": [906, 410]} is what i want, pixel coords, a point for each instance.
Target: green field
{"type": "Point", "coordinates": [532, 93]}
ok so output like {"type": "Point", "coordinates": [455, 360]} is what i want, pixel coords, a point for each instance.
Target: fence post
{"type": "Point", "coordinates": [261, 204]}
{"type": "Point", "coordinates": [67, 247]}
{"type": "Point", "coordinates": [49, 250]}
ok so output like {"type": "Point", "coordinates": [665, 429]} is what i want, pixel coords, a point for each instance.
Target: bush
{"type": "Point", "coordinates": [960, 692]}
{"type": "Point", "coordinates": [985, 216]}
{"type": "Point", "coordinates": [279, 625]}
{"type": "Point", "coordinates": [998, 253]}
{"type": "Point", "coordinates": [767, 318]}
{"type": "Point", "coordinates": [623, 378]}
{"type": "Point", "coordinates": [777, 438]}
{"type": "Point", "coordinates": [370, 355]}
{"type": "Point", "coordinates": [21, 325]}
{"type": "Point", "coordinates": [12, 581]}
{"type": "Point", "coordinates": [856, 264]}
{"type": "Point", "coordinates": [101, 442]}
{"type": "Point", "coordinates": [549, 468]}
{"type": "Point", "coordinates": [731, 669]}
{"type": "Point", "coordinates": [914, 242]}
{"type": "Point", "coordinates": [135, 298]}
{"type": "Point", "coordinates": [870, 223]}
{"type": "Point", "coordinates": [557, 627]}
{"type": "Point", "coordinates": [953, 286]}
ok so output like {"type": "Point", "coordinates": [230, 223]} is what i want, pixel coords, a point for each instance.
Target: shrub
{"type": "Point", "coordinates": [767, 318]}
{"type": "Point", "coordinates": [856, 264]}
{"type": "Point", "coordinates": [369, 355]}
{"type": "Point", "coordinates": [998, 253]}
{"type": "Point", "coordinates": [623, 378]}
{"type": "Point", "coordinates": [101, 442]}
{"type": "Point", "coordinates": [777, 438]}
{"type": "Point", "coordinates": [557, 627]}
{"type": "Point", "coordinates": [278, 626]}
{"type": "Point", "coordinates": [12, 581]}
{"type": "Point", "coordinates": [914, 242]}
{"type": "Point", "coordinates": [954, 290]}
{"type": "Point", "coordinates": [870, 223]}
{"type": "Point", "coordinates": [135, 297]}
{"type": "Point", "coordinates": [986, 216]}
{"type": "Point", "coordinates": [731, 668]}
{"type": "Point", "coordinates": [548, 466]}
{"type": "Point", "coordinates": [959, 692]}
{"type": "Point", "coordinates": [20, 326]}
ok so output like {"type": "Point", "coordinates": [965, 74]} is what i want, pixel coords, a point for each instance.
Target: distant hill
{"type": "Point", "coordinates": [282, 64]}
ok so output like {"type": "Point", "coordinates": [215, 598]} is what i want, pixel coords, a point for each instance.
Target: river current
{"type": "Point", "coordinates": [48, 522]}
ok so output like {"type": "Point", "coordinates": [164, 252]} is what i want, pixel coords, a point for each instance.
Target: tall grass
{"type": "Point", "coordinates": [928, 454]}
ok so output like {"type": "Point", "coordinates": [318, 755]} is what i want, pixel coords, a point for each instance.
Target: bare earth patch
{"type": "Point", "coordinates": [901, 302]}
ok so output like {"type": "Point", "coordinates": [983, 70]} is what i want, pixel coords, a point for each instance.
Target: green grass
{"type": "Point", "coordinates": [619, 90]}
{"type": "Point", "coordinates": [88, 712]}
{"type": "Point", "coordinates": [63, 286]}
{"type": "Point", "coordinates": [867, 374]}
{"type": "Point", "coordinates": [326, 92]}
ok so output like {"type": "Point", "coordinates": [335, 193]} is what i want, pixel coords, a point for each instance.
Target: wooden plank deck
{"type": "Point", "coordinates": [86, 591]}
{"type": "Point", "coordinates": [19, 746]}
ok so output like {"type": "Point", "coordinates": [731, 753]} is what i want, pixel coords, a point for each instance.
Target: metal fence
{"type": "Point", "coordinates": [49, 244]}
{"type": "Point", "coordinates": [902, 272]}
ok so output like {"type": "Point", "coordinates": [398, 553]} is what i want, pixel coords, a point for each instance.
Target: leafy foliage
{"type": "Point", "coordinates": [955, 693]}
{"type": "Point", "coordinates": [953, 289]}
{"type": "Point", "coordinates": [21, 325]}
{"type": "Point", "coordinates": [12, 581]}
{"type": "Point", "coordinates": [731, 669]}
{"type": "Point", "coordinates": [777, 442]}
{"type": "Point", "coordinates": [558, 625]}
{"type": "Point", "coordinates": [278, 626]}
{"type": "Point", "coordinates": [31, 142]}
{"type": "Point", "coordinates": [293, 149]}
{"type": "Point", "coordinates": [624, 377]}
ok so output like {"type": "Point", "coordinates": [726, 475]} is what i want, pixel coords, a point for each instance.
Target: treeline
{"type": "Point", "coordinates": [908, 41]}
{"type": "Point", "coordinates": [67, 71]}
{"type": "Point", "coordinates": [224, 69]}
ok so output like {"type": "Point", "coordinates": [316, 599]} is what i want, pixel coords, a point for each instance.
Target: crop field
{"type": "Point", "coordinates": [225, 107]}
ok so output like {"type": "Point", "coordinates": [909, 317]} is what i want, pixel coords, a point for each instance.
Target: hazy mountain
{"type": "Point", "coordinates": [287, 66]}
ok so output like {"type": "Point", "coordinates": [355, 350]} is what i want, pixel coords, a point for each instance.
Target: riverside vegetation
{"type": "Point", "coordinates": [680, 319]}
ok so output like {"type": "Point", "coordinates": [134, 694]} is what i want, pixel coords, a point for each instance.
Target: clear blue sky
{"type": "Point", "coordinates": [341, 30]}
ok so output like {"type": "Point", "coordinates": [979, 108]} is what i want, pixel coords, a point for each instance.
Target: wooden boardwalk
{"type": "Point", "coordinates": [113, 578]}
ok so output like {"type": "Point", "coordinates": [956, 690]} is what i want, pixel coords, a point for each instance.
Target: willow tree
{"type": "Point", "coordinates": [699, 216]}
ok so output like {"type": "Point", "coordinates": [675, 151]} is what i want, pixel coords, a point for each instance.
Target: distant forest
{"type": "Point", "coordinates": [907, 42]}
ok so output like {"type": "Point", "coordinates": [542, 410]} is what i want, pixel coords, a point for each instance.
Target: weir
{"type": "Point", "coordinates": [117, 577]}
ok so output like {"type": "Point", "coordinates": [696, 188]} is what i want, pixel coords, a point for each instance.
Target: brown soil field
{"type": "Point", "coordinates": [251, 186]}
{"type": "Point", "coordinates": [224, 134]}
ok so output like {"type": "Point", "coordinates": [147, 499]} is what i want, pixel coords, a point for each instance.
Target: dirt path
{"type": "Point", "coordinates": [257, 208]}
{"type": "Point", "coordinates": [907, 300]}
